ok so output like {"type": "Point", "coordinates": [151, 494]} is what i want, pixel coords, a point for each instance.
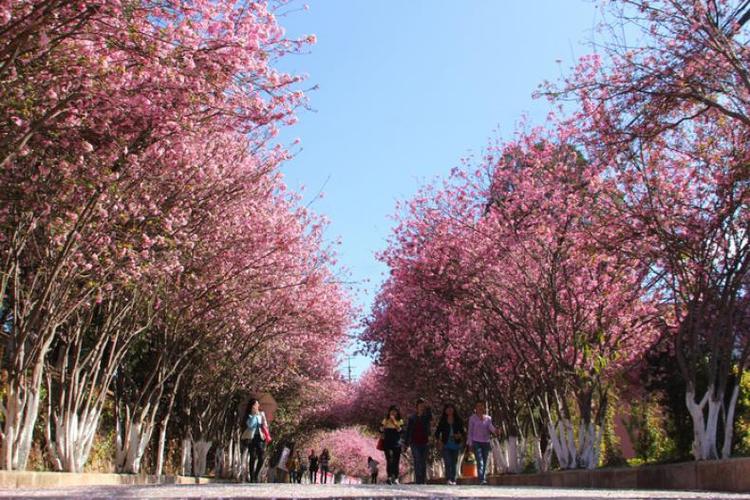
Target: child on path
{"type": "Point", "coordinates": [373, 466]}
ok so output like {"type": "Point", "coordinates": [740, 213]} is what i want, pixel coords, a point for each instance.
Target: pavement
{"type": "Point", "coordinates": [292, 491]}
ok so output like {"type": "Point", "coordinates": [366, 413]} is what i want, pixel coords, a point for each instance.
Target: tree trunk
{"type": "Point", "coordinates": [541, 458]}
{"type": "Point", "coordinates": [164, 423]}
{"type": "Point", "coordinates": [85, 369]}
{"type": "Point", "coordinates": [558, 443]}
{"type": "Point", "coordinates": [221, 459]}
{"type": "Point", "coordinates": [186, 461]}
{"type": "Point", "coordinates": [200, 452]}
{"type": "Point", "coordinates": [712, 426]}
{"type": "Point", "coordinates": [568, 436]}
{"type": "Point", "coordinates": [41, 305]}
{"type": "Point", "coordinates": [161, 446]}
{"type": "Point", "coordinates": [20, 413]}
{"type": "Point", "coordinates": [131, 445]}
{"type": "Point", "coordinates": [240, 459]}
{"type": "Point", "coordinates": [726, 449]}
{"type": "Point", "coordinates": [571, 453]}
{"type": "Point", "coordinates": [499, 458]}
{"type": "Point", "coordinates": [590, 440]}
{"type": "Point", "coordinates": [705, 429]}
{"type": "Point", "coordinates": [513, 455]}
{"type": "Point", "coordinates": [74, 438]}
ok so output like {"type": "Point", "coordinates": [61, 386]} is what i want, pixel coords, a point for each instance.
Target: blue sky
{"type": "Point", "coordinates": [406, 88]}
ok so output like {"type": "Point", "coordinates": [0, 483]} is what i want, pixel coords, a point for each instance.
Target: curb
{"type": "Point", "coordinates": [730, 475]}
{"type": "Point", "coordinates": [32, 479]}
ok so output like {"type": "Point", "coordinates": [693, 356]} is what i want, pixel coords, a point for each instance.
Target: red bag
{"type": "Point", "coordinates": [381, 444]}
{"type": "Point", "coordinates": [266, 435]}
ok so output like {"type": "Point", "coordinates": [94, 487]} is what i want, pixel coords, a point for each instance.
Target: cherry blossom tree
{"type": "Point", "coordinates": [663, 108]}
{"type": "Point", "coordinates": [349, 448]}
{"type": "Point", "coordinates": [504, 277]}
{"type": "Point", "coordinates": [105, 107]}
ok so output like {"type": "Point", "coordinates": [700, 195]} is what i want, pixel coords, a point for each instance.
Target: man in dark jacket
{"type": "Point", "coordinates": [418, 439]}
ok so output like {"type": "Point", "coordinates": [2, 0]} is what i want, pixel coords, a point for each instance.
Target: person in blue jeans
{"type": "Point", "coordinates": [418, 438]}
{"type": "Point", "coordinates": [449, 435]}
{"type": "Point", "coordinates": [478, 437]}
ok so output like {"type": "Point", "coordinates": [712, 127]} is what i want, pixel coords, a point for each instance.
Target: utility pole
{"type": "Point", "coordinates": [349, 367]}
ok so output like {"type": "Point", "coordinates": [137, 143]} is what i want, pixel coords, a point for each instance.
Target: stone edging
{"type": "Point", "coordinates": [31, 479]}
{"type": "Point", "coordinates": [731, 475]}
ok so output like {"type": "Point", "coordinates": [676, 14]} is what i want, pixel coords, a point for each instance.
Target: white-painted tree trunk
{"type": "Point", "coordinates": [20, 413]}
{"type": "Point", "coordinates": [570, 442]}
{"type": "Point", "coordinates": [225, 461]}
{"type": "Point", "coordinates": [513, 456]}
{"type": "Point", "coordinates": [244, 471]}
{"type": "Point", "coordinates": [239, 460]}
{"type": "Point", "coordinates": [589, 445]}
{"type": "Point", "coordinates": [541, 458]}
{"type": "Point", "coordinates": [186, 461]}
{"type": "Point", "coordinates": [130, 446]}
{"type": "Point", "coordinates": [704, 429]}
{"type": "Point", "coordinates": [232, 462]}
{"type": "Point", "coordinates": [161, 446]}
{"type": "Point", "coordinates": [221, 459]}
{"type": "Point", "coordinates": [712, 427]}
{"type": "Point", "coordinates": [499, 462]}
{"type": "Point", "coordinates": [74, 437]}
{"type": "Point", "coordinates": [571, 453]}
{"type": "Point", "coordinates": [435, 470]}
{"type": "Point", "coordinates": [200, 452]}
{"type": "Point", "coordinates": [559, 441]}
{"type": "Point", "coordinates": [227, 453]}
{"type": "Point", "coordinates": [508, 455]}
{"type": "Point", "coordinates": [726, 449]}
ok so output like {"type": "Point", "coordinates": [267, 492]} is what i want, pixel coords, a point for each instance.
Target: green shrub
{"type": "Point", "coordinates": [647, 428]}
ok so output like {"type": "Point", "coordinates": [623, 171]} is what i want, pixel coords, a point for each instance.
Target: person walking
{"type": "Point", "coordinates": [312, 461]}
{"type": "Point", "coordinates": [390, 430]}
{"type": "Point", "coordinates": [449, 434]}
{"type": "Point", "coordinates": [253, 438]}
{"type": "Point", "coordinates": [302, 467]}
{"type": "Point", "coordinates": [372, 465]}
{"type": "Point", "coordinates": [293, 467]}
{"type": "Point", "coordinates": [417, 438]}
{"type": "Point", "coordinates": [325, 465]}
{"type": "Point", "coordinates": [478, 437]}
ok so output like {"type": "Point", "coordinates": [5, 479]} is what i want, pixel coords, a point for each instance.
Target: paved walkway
{"type": "Point", "coordinates": [352, 491]}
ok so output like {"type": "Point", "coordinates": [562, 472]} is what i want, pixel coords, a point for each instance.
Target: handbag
{"type": "Point", "coordinates": [266, 435]}
{"type": "Point", "coordinates": [380, 445]}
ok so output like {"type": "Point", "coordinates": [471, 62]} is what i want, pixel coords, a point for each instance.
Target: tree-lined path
{"type": "Point", "coordinates": [361, 491]}
{"type": "Point", "coordinates": [575, 296]}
